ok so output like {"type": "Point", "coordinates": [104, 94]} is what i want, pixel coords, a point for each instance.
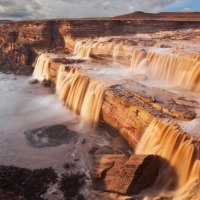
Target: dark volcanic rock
{"type": "Point", "coordinates": [19, 183]}
{"type": "Point", "coordinates": [117, 173]}
{"type": "Point", "coordinates": [105, 150]}
{"type": "Point", "coordinates": [71, 183]}
{"type": "Point", "coordinates": [68, 61]}
{"type": "Point", "coordinates": [33, 81]}
{"type": "Point", "coordinates": [13, 68]}
{"type": "Point", "coordinates": [4, 195]}
{"type": "Point", "coordinates": [50, 136]}
{"type": "Point", "coordinates": [46, 83]}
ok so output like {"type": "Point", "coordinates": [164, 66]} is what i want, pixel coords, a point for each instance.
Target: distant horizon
{"type": "Point", "coordinates": [49, 9]}
{"type": "Point", "coordinates": [74, 18]}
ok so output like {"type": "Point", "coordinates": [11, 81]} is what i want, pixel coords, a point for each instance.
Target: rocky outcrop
{"type": "Point", "coordinates": [39, 184]}
{"type": "Point", "coordinates": [117, 173]}
{"type": "Point", "coordinates": [18, 42]}
{"type": "Point", "coordinates": [129, 107]}
{"type": "Point", "coordinates": [130, 111]}
{"type": "Point", "coordinates": [20, 183]}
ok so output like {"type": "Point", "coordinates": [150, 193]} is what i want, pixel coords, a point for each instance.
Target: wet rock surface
{"type": "Point", "coordinates": [71, 183]}
{"type": "Point", "coordinates": [24, 184]}
{"type": "Point", "coordinates": [4, 195]}
{"type": "Point", "coordinates": [68, 61]}
{"type": "Point", "coordinates": [120, 174]}
{"type": "Point", "coordinates": [51, 136]}
{"type": "Point", "coordinates": [16, 69]}
{"type": "Point", "coordinates": [46, 83]}
{"type": "Point", "coordinates": [33, 81]}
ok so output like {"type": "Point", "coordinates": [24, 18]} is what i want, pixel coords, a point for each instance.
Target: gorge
{"type": "Point", "coordinates": [128, 91]}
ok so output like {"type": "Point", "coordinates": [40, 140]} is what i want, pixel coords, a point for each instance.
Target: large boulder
{"type": "Point", "coordinates": [120, 174]}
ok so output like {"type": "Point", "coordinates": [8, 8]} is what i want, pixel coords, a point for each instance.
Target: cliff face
{"type": "Point", "coordinates": [19, 40]}
{"type": "Point", "coordinates": [60, 33]}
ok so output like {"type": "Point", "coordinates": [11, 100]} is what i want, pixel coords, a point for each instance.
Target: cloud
{"type": "Point", "coordinates": [22, 9]}
{"type": "Point", "coordinates": [146, 5]}
{"type": "Point", "coordinates": [27, 9]}
{"type": "Point", "coordinates": [117, 7]}
{"type": "Point", "coordinates": [187, 10]}
{"type": "Point", "coordinates": [151, 6]}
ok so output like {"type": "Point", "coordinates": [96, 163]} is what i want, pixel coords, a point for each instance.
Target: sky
{"type": "Point", "coordinates": [41, 9]}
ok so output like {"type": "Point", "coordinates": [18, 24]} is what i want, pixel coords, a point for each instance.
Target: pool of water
{"type": "Point", "coordinates": [25, 107]}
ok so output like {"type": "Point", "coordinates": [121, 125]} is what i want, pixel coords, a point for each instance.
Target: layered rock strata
{"type": "Point", "coordinates": [128, 106]}
{"type": "Point", "coordinates": [61, 33]}
{"type": "Point", "coordinates": [117, 173]}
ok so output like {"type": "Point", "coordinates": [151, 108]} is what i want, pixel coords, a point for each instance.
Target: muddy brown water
{"type": "Point", "coordinates": [25, 107]}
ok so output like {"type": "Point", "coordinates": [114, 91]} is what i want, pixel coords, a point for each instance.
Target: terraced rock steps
{"type": "Point", "coordinates": [135, 111]}
{"type": "Point", "coordinates": [138, 77]}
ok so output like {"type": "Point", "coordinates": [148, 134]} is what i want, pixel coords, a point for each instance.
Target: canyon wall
{"type": "Point", "coordinates": [14, 36]}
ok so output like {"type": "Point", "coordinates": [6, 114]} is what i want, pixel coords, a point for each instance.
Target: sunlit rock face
{"type": "Point", "coordinates": [139, 78]}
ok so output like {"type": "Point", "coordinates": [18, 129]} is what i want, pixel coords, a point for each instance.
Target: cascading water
{"type": "Point", "coordinates": [139, 61]}
{"type": "Point", "coordinates": [92, 102]}
{"type": "Point", "coordinates": [41, 71]}
{"type": "Point", "coordinates": [80, 94]}
{"type": "Point", "coordinates": [180, 150]}
{"type": "Point", "coordinates": [175, 71]}
{"type": "Point", "coordinates": [190, 191]}
{"type": "Point", "coordinates": [116, 51]}
{"type": "Point", "coordinates": [82, 49]}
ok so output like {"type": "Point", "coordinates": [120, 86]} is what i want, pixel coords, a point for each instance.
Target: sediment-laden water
{"type": "Point", "coordinates": [26, 107]}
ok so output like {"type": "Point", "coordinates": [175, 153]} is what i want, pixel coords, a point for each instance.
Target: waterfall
{"type": "Point", "coordinates": [82, 49]}
{"type": "Point", "coordinates": [179, 149]}
{"type": "Point", "coordinates": [80, 93]}
{"type": "Point", "coordinates": [176, 71]}
{"type": "Point", "coordinates": [190, 191]}
{"type": "Point", "coordinates": [180, 71]}
{"type": "Point", "coordinates": [139, 60]}
{"type": "Point", "coordinates": [93, 101]}
{"type": "Point", "coordinates": [41, 71]}
{"type": "Point", "coordinates": [116, 51]}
